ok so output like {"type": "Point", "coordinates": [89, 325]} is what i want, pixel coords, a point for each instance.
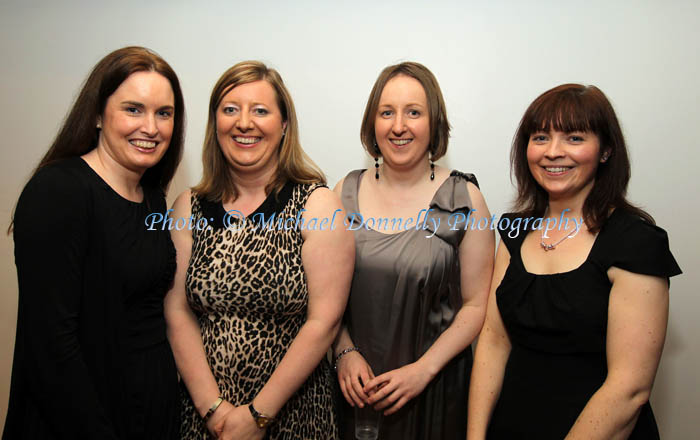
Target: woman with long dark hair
{"type": "Point", "coordinates": [579, 300]}
{"type": "Point", "coordinates": [91, 355]}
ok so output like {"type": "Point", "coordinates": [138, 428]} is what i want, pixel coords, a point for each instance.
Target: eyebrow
{"type": "Point", "coordinates": [139, 104]}
{"type": "Point", "coordinates": [410, 104]}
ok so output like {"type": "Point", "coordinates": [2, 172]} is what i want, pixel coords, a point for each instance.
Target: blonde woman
{"type": "Point", "coordinates": [257, 298]}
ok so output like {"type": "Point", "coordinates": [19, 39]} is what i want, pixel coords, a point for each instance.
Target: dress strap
{"type": "Point", "coordinates": [351, 186]}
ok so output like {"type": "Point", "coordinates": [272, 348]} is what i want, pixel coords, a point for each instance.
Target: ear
{"type": "Point", "coordinates": [284, 128]}
{"type": "Point", "coordinates": [98, 124]}
{"type": "Point", "coordinates": [605, 156]}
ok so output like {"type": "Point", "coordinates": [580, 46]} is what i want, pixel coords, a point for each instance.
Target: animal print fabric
{"type": "Point", "coordinates": [248, 290]}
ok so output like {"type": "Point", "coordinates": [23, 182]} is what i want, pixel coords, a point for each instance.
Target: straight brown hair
{"type": "Point", "coordinates": [568, 108]}
{"type": "Point", "coordinates": [439, 126]}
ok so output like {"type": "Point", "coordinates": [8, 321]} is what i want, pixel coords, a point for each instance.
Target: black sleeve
{"type": "Point", "coordinates": [641, 247]}
{"type": "Point", "coordinates": [512, 231]}
{"type": "Point", "coordinates": [51, 231]}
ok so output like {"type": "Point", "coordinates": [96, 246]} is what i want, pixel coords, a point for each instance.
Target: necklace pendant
{"type": "Point", "coordinates": [547, 247]}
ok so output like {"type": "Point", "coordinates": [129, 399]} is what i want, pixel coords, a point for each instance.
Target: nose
{"type": "Point", "coordinates": [244, 121]}
{"type": "Point", "coordinates": [554, 148]}
{"type": "Point", "coordinates": [150, 127]}
{"type": "Point", "coordinates": [399, 125]}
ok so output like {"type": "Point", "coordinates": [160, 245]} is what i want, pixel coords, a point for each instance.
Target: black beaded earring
{"type": "Point", "coordinates": [376, 160]}
{"type": "Point", "coordinates": [432, 167]}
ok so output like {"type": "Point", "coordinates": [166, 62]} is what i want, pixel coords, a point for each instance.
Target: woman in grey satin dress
{"type": "Point", "coordinates": [421, 279]}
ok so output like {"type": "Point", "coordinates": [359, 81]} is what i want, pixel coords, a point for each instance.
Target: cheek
{"type": "Point", "coordinates": [223, 125]}
{"type": "Point", "coordinates": [381, 127]}
{"type": "Point", "coordinates": [166, 128]}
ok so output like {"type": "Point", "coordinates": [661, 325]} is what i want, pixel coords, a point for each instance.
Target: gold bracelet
{"type": "Point", "coordinates": [213, 408]}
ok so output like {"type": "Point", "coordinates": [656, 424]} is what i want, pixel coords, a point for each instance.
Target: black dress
{"type": "Point", "coordinates": [557, 327]}
{"type": "Point", "coordinates": [91, 355]}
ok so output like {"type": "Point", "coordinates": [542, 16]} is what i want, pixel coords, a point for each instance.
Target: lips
{"type": "Point", "coordinates": [557, 170]}
{"type": "Point", "coordinates": [246, 141]}
{"type": "Point", "coordinates": [400, 142]}
{"type": "Point", "coordinates": [143, 145]}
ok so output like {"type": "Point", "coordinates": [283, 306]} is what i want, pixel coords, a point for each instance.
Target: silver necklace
{"type": "Point", "coordinates": [550, 247]}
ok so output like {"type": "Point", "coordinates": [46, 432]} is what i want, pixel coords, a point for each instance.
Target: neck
{"type": "Point", "coordinates": [571, 206]}
{"type": "Point", "coordinates": [123, 180]}
{"type": "Point", "coordinates": [405, 177]}
{"type": "Point", "coordinates": [252, 184]}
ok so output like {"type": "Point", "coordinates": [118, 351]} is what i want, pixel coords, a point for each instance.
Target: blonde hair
{"type": "Point", "coordinates": [293, 163]}
{"type": "Point", "coordinates": [439, 126]}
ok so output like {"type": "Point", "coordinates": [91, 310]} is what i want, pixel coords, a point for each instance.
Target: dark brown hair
{"type": "Point", "coordinates": [294, 165]}
{"type": "Point", "coordinates": [78, 135]}
{"type": "Point", "coordinates": [439, 126]}
{"type": "Point", "coordinates": [568, 108]}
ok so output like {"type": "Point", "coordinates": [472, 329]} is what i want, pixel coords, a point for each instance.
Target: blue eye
{"type": "Point", "coordinates": [260, 111]}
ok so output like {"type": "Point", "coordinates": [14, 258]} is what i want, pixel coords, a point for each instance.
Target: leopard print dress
{"type": "Point", "coordinates": [246, 285]}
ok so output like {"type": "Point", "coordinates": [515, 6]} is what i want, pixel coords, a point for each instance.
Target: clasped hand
{"type": "Point", "coordinates": [388, 392]}
{"type": "Point", "coordinates": [234, 423]}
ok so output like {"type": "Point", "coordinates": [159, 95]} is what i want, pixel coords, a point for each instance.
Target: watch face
{"type": "Point", "coordinates": [262, 421]}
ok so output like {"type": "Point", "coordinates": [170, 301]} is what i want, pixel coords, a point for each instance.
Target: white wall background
{"type": "Point", "coordinates": [491, 58]}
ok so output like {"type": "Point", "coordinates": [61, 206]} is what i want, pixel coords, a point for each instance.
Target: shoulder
{"type": "Point", "coordinates": [321, 197]}
{"type": "Point", "coordinates": [183, 202]}
{"type": "Point", "coordinates": [63, 183]}
{"type": "Point", "coordinates": [631, 243]}
{"type": "Point", "coordinates": [512, 228]}
{"type": "Point", "coordinates": [467, 177]}
{"type": "Point", "coordinates": [61, 192]}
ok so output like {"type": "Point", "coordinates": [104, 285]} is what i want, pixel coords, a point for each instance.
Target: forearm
{"type": "Point", "coordinates": [185, 339]}
{"type": "Point", "coordinates": [610, 414]}
{"type": "Point", "coordinates": [486, 382]}
{"type": "Point", "coordinates": [306, 351]}
{"type": "Point", "coordinates": [342, 340]}
{"type": "Point", "coordinates": [458, 336]}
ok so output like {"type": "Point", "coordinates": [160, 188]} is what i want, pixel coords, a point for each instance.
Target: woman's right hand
{"type": "Point", "coordinates": [353, 373]}
{"type": "Point", "coordinates": [215, 424]}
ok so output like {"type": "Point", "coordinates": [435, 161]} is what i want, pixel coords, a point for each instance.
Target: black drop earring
{"type": "Point", "coordinates": [432, 167]}
{"type": "Point", "coordinates": [376, 161]}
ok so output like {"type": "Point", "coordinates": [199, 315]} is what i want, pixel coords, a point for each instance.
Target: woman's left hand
{"type": "Point", "coordinates": [239, 425]}
{"type": "Point", "coordinates": [392, 390]}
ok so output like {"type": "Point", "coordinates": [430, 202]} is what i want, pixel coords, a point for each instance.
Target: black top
{"type": "Point", "coordinates": [91, 284]}
{"type": "Point", "coordinates": [557, 326]}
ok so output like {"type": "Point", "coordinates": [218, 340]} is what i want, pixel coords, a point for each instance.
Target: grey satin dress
{"type": "Point", "coordinates": [405, 293]}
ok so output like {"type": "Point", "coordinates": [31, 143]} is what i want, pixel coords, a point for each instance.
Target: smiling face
{"type": "Point", "coordinates": [249, 127]}
{"type": "Point", "coordinates": [564, 164]}
{"type": "Point", "coordinates": [137, 122]}
{"type": "Point", "coordinates": [402, 123]}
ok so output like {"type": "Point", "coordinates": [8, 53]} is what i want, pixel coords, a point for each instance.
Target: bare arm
{"type": "Point", "coordinates": [476, 263]}
{"type": "Point", "coordinates": [328, 257]}
{"type": "Point", "coordinates": [637, 318]}
{"type": "Point", "coordinates": [492, 353]}
{"type": "Point", "coordinates": [183, 329]}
